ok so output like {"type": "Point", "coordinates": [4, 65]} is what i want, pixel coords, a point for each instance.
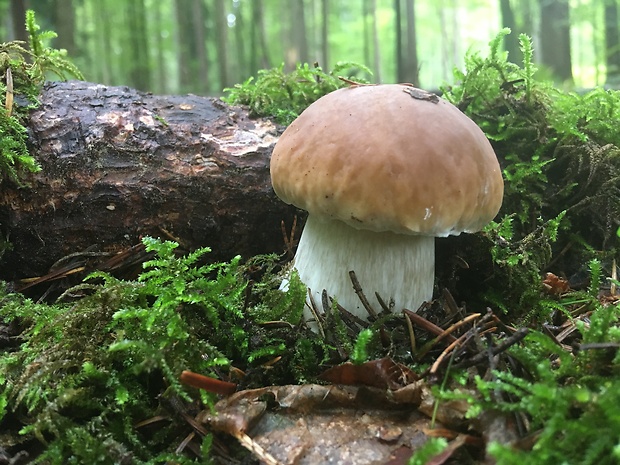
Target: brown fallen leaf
{"type": "Point", "coordinates": [453, 446]}
{"type": "Point", "coordinates": [555, 285]}
{"type": "Point", "coordinates": [311, 423]}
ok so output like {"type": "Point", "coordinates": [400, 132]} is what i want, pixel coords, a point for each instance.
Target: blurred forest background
{"type": "Point", "coordinates": [203, 46]}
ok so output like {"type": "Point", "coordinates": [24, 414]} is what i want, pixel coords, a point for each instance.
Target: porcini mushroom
{"type": "Point", "coordinates": [382, 170]}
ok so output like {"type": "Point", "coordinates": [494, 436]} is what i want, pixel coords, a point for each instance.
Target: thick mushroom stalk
{"type": "Point", "coordinates": [397, 266]}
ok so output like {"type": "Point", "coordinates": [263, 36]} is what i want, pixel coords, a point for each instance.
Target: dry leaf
{"type": "Point", "coordinates": [312, 424]}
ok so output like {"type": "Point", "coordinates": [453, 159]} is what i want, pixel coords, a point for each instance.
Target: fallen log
{"type": "Point", "coordinates": [118, 164]}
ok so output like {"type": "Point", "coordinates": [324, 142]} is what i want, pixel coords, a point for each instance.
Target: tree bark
{"type": "Point", "coordinates": [118, 164]}
{"type": "Point", "coordinates": [202, 52]}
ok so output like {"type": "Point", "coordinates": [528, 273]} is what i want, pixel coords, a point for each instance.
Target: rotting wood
{"type": "Point", "coordinates": [119, 164]}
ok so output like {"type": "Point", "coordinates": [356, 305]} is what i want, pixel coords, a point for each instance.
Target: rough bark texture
{"type": "Point", "coordinates": [119, 164]}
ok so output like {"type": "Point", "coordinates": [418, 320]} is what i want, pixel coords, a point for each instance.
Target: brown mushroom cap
{"type": "Point", "coordinates": [389, 158]}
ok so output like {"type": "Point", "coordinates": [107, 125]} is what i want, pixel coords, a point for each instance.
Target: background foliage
{"type": "Point", "coordinates": [203, 46]}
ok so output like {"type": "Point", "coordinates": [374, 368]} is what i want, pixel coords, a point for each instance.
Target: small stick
{"type": "Point", "coordinates": [426, 325]}
{"type": "Point", "coordinates": [315, 313]}
{"type": "Point", "coordinates": [349, 318]}
{"type": "Point", "coordinates": [505, 344]}
{"type": "Point", "coordinates": [353, 83]}
{"type": "Point", "coordinates": [411, 334]}
{"type": "Point", "coordinates": [289, 240]}
{"type": "Point", "coordinates": [598, 345]}
{"type": "Point", "coordinates": [384, 306]}
{"type": "Point", "coordinates": [463, 341]}
{"type": "Point", "coordinates": [445, 353]}
{"type": "Point", "coordinates": [500, 323]}
{"type": "Point", "coordinates": [450, 302]}
{"type": "Point", "coordinates": [327, 309]}
{"type": "Point", "coordinates": [446, 333]}
{"type": "Point", "coordinates": [254, 447]}
{"type": "Point", "coordinates": [358, 290]}
{"type": "Point", "coordinates": [185, 442]}
{"type": "Point", "coordinates": [207, 383]}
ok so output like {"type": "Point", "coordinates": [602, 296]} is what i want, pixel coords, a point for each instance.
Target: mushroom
{"type": "Point", "coordinates": [382, 170]}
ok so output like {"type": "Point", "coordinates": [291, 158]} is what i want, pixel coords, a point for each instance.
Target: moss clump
{"type": "Point", "coordinates": [569, 399]}
{"type": "Point", "coordinates": [560, 154]}
{"type": "Point", "coordinates": [22, 73]}
{"type": "Point", "coordinates": [87, 372]}
{"type": "Point", "coordinates": [284, 96]}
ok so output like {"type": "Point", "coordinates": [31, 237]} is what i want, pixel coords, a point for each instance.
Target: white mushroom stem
{"type": "Point", "coordinates": [397, 266]}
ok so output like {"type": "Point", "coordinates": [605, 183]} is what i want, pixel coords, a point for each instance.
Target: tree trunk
{"type": "Point", "coordinates": [612, 44]}
{"type": "Point", "coordinates": [18, 19]}
{"type": "Point", "coordinates": [118, 164]}
{"type": "Point", "coordinates": [412, 71]}
{"type": "Point", "coordinates": [375, 42]}
{"type": "Point", "coordinates": [511, 41]}
{"type": "Point", "coordinates": [259, 56]}
{"type": "Point", "coordinates": [186, 44]}
{"type": "Point", "coordinates": [221, 44]}
{"type": "Point", "coordinates": [242, 71]}
{"type": "Point", "coordinates": [325, 35]}
{"type": "Point", "coordinates": [297, 48]}
{"type": "Point", "coordinates": [64, 25]}
{"type": "Point", "coordinates": [200, 39]}
{"type": "Point", "coordinates": [139, 67]}
{"type": "Point", "coordinates": [366, 12]}
{"type": "Point", "coordinates": [398, 26]}
{"type": "Point", "coordinates": [102, 43]}
{"type": "Point", "coordinates": [555, 38]}
{"type": "Point", "coordinates": [162, 81]}
{"type": "Point", "coordinates": [528, 13]}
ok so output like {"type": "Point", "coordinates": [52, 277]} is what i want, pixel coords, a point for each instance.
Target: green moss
{"type": "Point", "coordinates": [573, 402]}
{"type": "Point", "coordinates": [22, 74]}
{"type": "Point", "coordinates": [88, 372]}
{"type": "Point", "coordinates": [284, 96]}
{"type": "Point", "coordinates": [560, 155]}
